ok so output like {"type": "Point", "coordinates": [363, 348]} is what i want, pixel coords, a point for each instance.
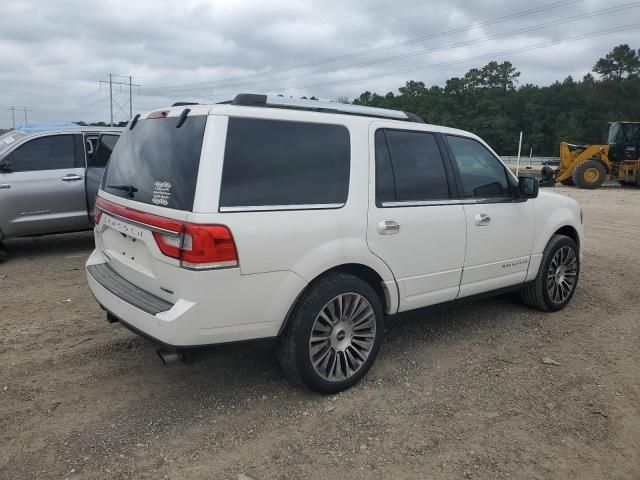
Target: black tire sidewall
{"type": "Point", "coordinates": [310, 306]}
{"type": "Point", "coordinates": [557, 243]}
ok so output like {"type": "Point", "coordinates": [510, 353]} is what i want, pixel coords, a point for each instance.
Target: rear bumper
{"type": "Point", "coordinates": [127, 291]}
{"type": "Point", "coordinates": [234, 308]}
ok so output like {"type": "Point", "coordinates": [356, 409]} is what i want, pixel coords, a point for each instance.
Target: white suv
{"type": "Point", "coordinates": [308, 223]}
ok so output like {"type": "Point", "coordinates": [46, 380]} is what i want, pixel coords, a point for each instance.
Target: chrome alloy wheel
{"type": "Point", "coordinates": [561, 277]}
{"type": "Point", "coordinates": [342, 337]}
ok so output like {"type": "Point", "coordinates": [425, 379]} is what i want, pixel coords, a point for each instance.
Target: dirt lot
{"type": "Point", "coordinates": [460, 393]}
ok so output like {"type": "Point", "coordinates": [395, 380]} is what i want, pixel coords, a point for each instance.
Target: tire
{"type": "Point", "coordinates": [346, 347]}
{"type": "Point", "coordinates": [541, 293]}
{"type": "Point", "coordinates": [568, 182]}
{"type": "Point", "coordinates": [3, 253]}
{"type": "Point", "coordinates": [589, 174]}
{"type": "Point", "coordinates": [547, 176]}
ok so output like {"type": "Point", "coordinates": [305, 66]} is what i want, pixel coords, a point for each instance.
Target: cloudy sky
{"type": "Point", "coordinates": [54, 53]}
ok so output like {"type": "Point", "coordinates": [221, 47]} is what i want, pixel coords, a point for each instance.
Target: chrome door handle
{"type": "Point", "coordinates": [72, 177]}
{"type": "Point", "coordinates": [388, 227]}
{"type": "Point", "coordinates": [4, 185]}
{"type": "Point", "coordinates": [482, 219]}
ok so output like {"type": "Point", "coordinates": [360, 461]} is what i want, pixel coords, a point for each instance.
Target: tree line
{"type": "Point", "coordinates": [488, 102]}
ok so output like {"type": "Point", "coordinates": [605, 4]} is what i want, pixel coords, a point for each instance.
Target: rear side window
{"type": "Point", "coordinates": [276, 163]}
{"type": "Point", "coordinates": [157, 163]}
{"type": "Point", "coordinates": [45, 153]}
{"type": "Point", "coordinates": [409, 167]}
{"type": "Point", "coordinates": [102, 152]}
{"type": "Point", "coordinates": [482, 175]}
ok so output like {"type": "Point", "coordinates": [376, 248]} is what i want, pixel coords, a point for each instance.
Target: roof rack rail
{"type": "Point", "coordinates": [257, 100]}
{"type": "Point", "coordinates": [182, 104]}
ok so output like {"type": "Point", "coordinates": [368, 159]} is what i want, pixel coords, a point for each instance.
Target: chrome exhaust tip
{"type": "Point", "coordinates": [169, 356]}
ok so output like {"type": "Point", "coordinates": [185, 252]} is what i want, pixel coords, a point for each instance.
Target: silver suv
{"type": "Point", "coordinates": [49, 177]}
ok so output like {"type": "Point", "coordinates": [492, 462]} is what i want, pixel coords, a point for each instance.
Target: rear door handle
{"type": "Point", "coordinates": [4, 185]}
{"type": "Point", "coordinates": [72, 177]}
{"type": "Point", "coordinates": [482, 219]}
{"type": "Point", "coordinates": [388, 227]}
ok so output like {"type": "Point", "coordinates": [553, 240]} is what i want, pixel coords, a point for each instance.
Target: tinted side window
{"type": "Point", "coordinates": [271, 162]}
{"type": "Point", "coordinates": [45, 153]}
{"type": "Point", "coordinates": [481, 173]}
{"type": "Point", "coordinates": [103, 151]}
{"type": "Point", "coordinates": [418, 168]}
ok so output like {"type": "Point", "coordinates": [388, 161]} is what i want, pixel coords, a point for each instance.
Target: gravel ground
{"type": "Point", "coordinates": [456, 393]}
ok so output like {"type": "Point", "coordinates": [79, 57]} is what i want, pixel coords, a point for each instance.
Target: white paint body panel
{"type": "Point", "coordinates": [423, 278]}
{"type": "Point", "coordinates": [497, 254]}
{"type": "Point", "coordinates": [436, 256]}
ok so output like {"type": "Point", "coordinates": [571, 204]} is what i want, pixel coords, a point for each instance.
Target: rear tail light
{"type": "Point", "coordinates": [200, 247]}
{"type": "Point", "coordinates": [197, 247]}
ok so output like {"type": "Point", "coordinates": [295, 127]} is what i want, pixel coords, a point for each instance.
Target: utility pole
{"type": "Point", "coordinates": [112, 100]}
{"type": "Point", "coordinates": [111, 97]}
{"type": "Point", "coordinates": [13, 114]}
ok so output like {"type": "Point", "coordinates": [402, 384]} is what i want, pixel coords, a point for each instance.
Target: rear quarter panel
{"type": "Point", "coordinates": [306, 242]}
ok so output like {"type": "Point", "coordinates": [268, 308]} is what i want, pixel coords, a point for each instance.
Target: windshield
{"type": "Point", "coordinates": [8, 139]}
{"type": "Point", "coordinates": [157, 163]}
{"type": "Point", "coordinates": [614, 130]}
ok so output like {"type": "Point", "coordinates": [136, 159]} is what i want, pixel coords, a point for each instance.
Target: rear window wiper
{"type": "Point", "coordinates": [130, 189]}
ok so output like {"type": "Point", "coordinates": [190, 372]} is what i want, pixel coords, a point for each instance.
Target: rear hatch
{"type": "Point", "coordinates": [146, 195]}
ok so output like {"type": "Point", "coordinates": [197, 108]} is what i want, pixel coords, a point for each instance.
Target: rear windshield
{"type": "Point", "coordinates": [157, 163]}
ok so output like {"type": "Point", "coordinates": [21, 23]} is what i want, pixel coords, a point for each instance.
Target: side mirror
{"type": "Point", "coordinates": [528, 187]}
{"type": "Point", "coordinates": [5, 165]}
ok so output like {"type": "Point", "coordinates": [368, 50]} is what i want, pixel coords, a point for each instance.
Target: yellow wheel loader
{"type": "Point", "coordinates": [588, 166]}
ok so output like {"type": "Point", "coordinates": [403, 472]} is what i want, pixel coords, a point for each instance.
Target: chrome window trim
{"type": "Point", "coordinates": [268, 208]}
{"type": "Point", "coordinates": [423, 203]}
{"type": "Point", "coordinates": [454, 201]}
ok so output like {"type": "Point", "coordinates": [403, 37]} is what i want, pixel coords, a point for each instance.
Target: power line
{"type": "Point", "coordinates": [480, 57]}
{"type": "Point", "coordinates": [13, 114]}
{"type": "Point", "coordinates": [441, 48]}
{"type": "Point", "coordinates": [542, 8]}
{"type": "Point", "coordinates": [74, 111]}
{"type": "Point", "coordinates": [465, 60]}
{"type": "Point", "coordinates": [88, 95]}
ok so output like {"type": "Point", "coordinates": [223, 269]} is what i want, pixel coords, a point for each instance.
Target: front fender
{"type": "Point", "coordinates": [559, 218]}
{"type": "Point", "coordinates": [553, 212]}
